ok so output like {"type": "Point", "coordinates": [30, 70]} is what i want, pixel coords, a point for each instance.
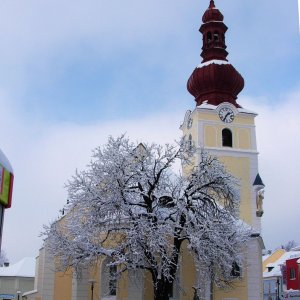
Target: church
{"type": "Point", "coordinates": [221, 126]}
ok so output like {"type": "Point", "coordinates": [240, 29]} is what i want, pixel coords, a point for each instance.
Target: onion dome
{"type": "Point", "coordinates": [214, 80]}
{"type": "Point", "coordinates": [212, 14]}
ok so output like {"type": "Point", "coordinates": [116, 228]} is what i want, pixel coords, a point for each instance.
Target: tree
{"type": "Point", "coordinates": [131, 207]}
{"type": "Point", "coordinates": [289, 245]}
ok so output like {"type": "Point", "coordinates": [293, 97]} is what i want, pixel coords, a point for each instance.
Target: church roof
{"type": "Point", "coordinates": [215, 80]}
{"type": "Point", "coordinates": [23, 268]}
{"type": "Point", "coordinates": [258, 180]}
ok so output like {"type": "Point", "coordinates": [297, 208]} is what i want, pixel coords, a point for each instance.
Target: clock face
{"type": "Point", "coordinates": [226, 114]}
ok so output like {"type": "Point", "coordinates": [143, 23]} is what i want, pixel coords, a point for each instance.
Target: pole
{"type": "Point", "coordinates": [278, 288]}
{"type": "Point", "coordinates": [1, 223]}
{"type": "Point", "coordinates": [92, 282]}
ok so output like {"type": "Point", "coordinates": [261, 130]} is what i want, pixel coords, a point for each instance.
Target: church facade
{"type": "Point", "coordinates": [221, 126]}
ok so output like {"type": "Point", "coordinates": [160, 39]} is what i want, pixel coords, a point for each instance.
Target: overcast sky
{"type": "Point", "coordinates": [74, 72]}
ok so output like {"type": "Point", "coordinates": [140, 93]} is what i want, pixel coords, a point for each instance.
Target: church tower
{"type": "Point", "coordinates": [221, 126]}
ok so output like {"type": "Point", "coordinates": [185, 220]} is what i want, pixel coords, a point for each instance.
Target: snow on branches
{"type": "Point", "coordinates": [130, 206]}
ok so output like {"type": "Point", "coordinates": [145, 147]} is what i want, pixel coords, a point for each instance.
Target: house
{"type": "Point", "coordinates": [292, 272]}
{"type": "Point", "coordinates": [281, 274]}
{"type": "Point", "coordinates": [17, 279]}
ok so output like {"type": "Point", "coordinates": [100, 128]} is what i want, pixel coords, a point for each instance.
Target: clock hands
{"type": "Point", "coordinates": [228, 114]}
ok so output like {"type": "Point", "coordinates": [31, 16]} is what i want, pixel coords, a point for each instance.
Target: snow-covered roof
{"type": "Point", "coordinates": [265, 257]}
{"type": "Point", "coordinates": [213, 61]}
{"type": "Point", "coordinates": [297, 248]}
{"type": "Point", "coordinates": [29, 293]}
{"type": "Point", "coordinates": [271, 265]}
{"type": "Point", "coordinates": [5, 162]}
{"type": "Point", "coordinates": [276, 271]}
{"type": "Point", "coordinates": [23, 268]}
{"type": "Point", "coordinates": [205, 105]}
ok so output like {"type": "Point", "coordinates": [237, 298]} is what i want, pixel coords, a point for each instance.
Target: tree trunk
{"type": "Point", "coordinates": [162, 290]}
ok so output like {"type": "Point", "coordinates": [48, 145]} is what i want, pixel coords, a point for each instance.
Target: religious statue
{"type": "Point", "coordinates": [259, 202]}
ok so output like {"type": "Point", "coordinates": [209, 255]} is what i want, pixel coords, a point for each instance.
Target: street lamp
{"type": "Point", "coordinates": [18, 293]}
{"type": "Point", "coordinates": [92, 283]}
{"type": "Point", "coordinates": [278, 282]}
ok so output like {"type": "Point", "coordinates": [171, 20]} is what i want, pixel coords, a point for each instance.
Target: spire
{"type": "Point", "coordinates": [212, 4]}
{"type": "Point", "coordinates": [213, 30]}
{"type": "Point", "coordinates": [215, 80]}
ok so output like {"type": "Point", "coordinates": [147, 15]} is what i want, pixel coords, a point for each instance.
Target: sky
{"type": "Point", "coordinates": [74, 72]}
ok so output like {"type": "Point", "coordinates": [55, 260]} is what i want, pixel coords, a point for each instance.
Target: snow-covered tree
{"type": "Point", "coordinates": [130, 206]}
{"type": "Point", "coordinates": [289, 245]}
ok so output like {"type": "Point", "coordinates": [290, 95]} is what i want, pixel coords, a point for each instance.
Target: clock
{"type": "Point", "coordinates": [226, 114]}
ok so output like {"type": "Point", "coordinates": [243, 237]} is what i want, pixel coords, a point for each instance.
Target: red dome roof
{"type": "Point", "coordinates": [212, 14]}
{"type": "Point", "coordinates": [215, 83]}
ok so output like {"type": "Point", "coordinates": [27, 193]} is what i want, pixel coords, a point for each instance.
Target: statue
{"type": "Point", "coordinates": [259, 202]}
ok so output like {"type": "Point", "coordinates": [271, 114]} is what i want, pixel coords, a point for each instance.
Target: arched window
{"type": "Point", "coordinates": [226, 137]}
{"type": "Point", "coordinates": [235, 271]}
{"type": "Point", "coordinates": [216, 36]}
{"type": "Point", "coordinates": [108, 281]}
{"type": "Point", "coordinates": [209, 37]}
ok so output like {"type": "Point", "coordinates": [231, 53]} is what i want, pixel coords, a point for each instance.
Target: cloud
{"type": "Point", "coordinates": [278, 128]}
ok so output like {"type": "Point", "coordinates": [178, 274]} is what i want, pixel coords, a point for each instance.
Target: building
{"type": "Point", "coordinates": [281, 272]}
{"type": "Point", "coordinates": [220, 125]}
{"type": "Point", "coordinates": [292, 272]}
{"type": "Point", "coordinates": [17, 279]}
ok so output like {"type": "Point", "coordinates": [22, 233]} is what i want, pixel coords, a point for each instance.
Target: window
{"type": "Point", "coordinates": [235, 271]}
{"type": "Point", "coordinates": [209, 37]}
{"type": "Point", "coordinates": [108, 281]}
{"type": "Point", "coordinates": [112, 284]}
{"type": "Point", "coordinates": [226, 137]}
{"type": "Point", "coordinates": [216, 36]}
{"type": "Point", "coordinates": [292, 273]}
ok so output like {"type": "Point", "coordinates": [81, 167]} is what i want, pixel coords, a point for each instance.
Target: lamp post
{"type": "Point", "coordinates": [18, 293]}
{"type": "Point", "coordinates": [92, 283]}
{"type": "Point", "coordinates": [277, 283]}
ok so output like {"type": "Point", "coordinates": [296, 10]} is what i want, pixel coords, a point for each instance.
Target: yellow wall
{"type": "Point", "coordinates": [238, 290]}
{"type": "Point", "coordinates": [149, 291]}
{"type": "Point", "coordinates": [240, 168]}
{"type": "Point", "coordinates": [63, 285]}
{"type": "Point", "coordinates": [212, 116]}
{"type": "Point", "coordinates": [122, 288]}
{"type": "Point", "coordinates": [187, 274]}
{"type": "Point", "coordinates": [241, 137]}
